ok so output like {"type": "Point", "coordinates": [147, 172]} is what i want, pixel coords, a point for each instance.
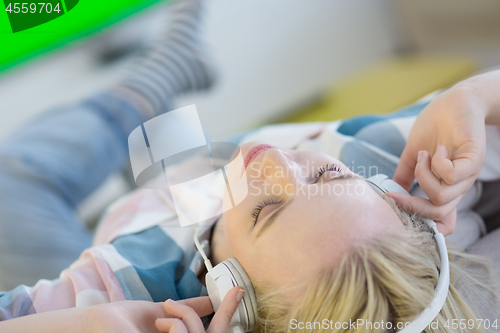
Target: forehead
{"type": "Point", "coordinates": [339, 205]}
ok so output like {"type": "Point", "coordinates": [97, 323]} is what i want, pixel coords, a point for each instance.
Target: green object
{"type": "Point", "coordinates": [31, 28]}
{"type": "Point", "coordinates": [27, 15]}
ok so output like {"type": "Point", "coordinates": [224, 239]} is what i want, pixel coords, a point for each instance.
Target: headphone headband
{"type": "Point", "coordinates": [382, 184]}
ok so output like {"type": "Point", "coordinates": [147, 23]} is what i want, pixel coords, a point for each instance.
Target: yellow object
{"type": "Point", "coordinates": [386, 86]}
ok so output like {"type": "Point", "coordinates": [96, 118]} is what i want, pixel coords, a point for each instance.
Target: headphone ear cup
{"type": "Point", "coordinates": [249, 301]}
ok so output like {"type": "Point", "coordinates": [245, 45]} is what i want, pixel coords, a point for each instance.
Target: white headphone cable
{"type": "Point", "coordinates": [207, 262]}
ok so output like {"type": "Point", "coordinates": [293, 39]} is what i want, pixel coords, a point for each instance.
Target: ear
{"type": "Point", "coordinates": [223, 278]}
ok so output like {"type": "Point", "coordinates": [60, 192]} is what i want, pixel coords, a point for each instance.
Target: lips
{"type": "Point", "coordinates": [254, 151]}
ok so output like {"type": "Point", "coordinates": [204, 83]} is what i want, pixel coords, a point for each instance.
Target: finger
{"type": "Point", "coordinates": [201, 305]}
{"type": "Point", "coordinates": [427, 180]}
{"type": "Point", "coordinates": [438, 192]}
{"type": "Point", "coordinates": [440, 156]}
{"type": "Point", "coordinates": [188, 316]}
{"type": "Point", "coordinates": [454, 171]}
{"type": "Point", "coordinates": [423, 207]}
{"type": "Point", "coordinates": [222, 318]}
{"type": "Point", "coordinates": [404, 174]}
{"type": "Point", "coordinates": [171, 325]}
{"type": "Point", "coordinates": [447, 225]}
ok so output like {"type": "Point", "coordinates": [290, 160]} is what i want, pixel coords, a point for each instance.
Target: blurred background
{"type": "Point", "coordinates": [280, 60]}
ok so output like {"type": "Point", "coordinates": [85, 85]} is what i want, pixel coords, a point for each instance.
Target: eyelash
{"type": "Point", "coordinates": [269, 201]}
{"type": "Point", "coordinates": [325, 168]}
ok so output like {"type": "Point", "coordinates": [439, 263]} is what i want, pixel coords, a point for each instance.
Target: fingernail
{"type": "Point", "coordinates": [442, 148]}
{"type": "Point", "coordinates": [392, 200]}
{"type": "Point", "coordinates": [240, 294]}
{"type": "Point", "coordinates": [420, 154]}
{"type": "Point", "coordinates": [171, 300]}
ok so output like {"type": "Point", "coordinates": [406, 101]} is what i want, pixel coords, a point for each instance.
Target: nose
{"type": "Point", "coordinates": [277, 164]}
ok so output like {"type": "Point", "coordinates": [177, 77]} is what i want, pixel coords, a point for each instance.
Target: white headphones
{"type": "Point", "coordinates": [229, 273]}
{"type": "Point", "coordinates": [220, 279]}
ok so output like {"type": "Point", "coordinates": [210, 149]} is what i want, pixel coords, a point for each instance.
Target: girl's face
{"type": "Point", "coordinates": [302, 211]}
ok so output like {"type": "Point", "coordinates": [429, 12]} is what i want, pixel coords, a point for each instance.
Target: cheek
{"type": "Point", "coordinates": [235, 228]}
{"type": "Point", "coordinates": [262, 262]}
{"type": "Point", "coordinates": [278, 263]}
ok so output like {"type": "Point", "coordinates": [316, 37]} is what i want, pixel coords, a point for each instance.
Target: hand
{"type": "Point", "coordinates": [444, 152]}
{"type": "Point", "coordinates": [124, 316]}
{"type": "Point", "coordinates": [169, 316]}
{"type": "Point", "coordinates": [186, 314]}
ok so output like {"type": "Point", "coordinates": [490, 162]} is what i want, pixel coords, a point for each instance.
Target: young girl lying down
{"type": "Point", "coordinates": [318, 244]}
{"type": "Point", "coordinates": [325, 246]}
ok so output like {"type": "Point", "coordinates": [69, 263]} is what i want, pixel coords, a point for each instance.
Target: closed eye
{"type": "Point", "coordinates": [325, 168]}
{"type": "Point", "coordinates": [269, 201]}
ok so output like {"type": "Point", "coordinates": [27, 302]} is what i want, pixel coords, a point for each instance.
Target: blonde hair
{"type": "Point", "coordinates": [389, 279]}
